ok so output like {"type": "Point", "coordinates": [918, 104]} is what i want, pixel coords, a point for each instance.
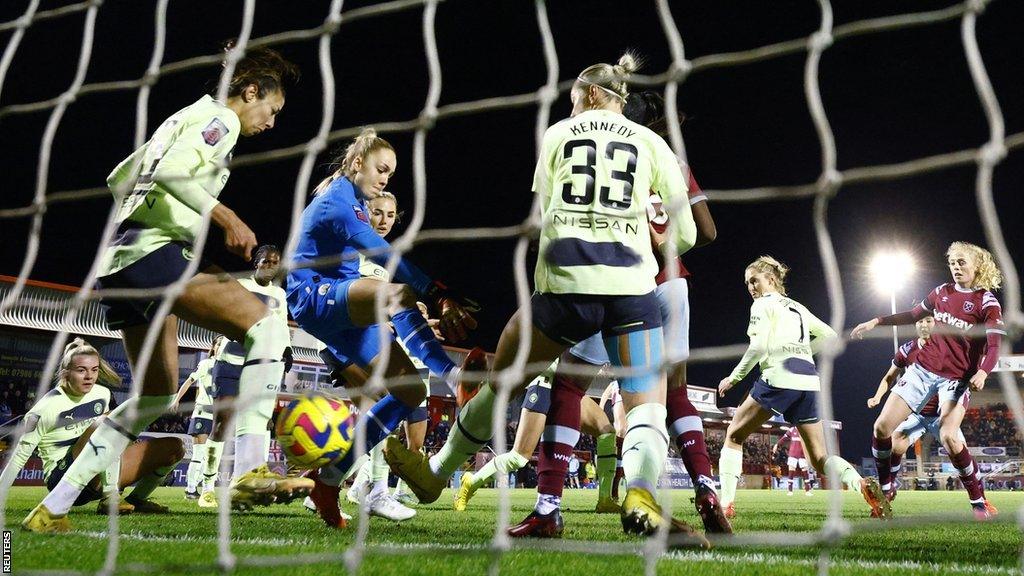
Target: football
{"type": "Point", "coordinates": [315, 430]}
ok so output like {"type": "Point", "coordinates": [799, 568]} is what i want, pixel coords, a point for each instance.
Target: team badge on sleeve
{"type": "Point", "coordinates": [214, 131]}
{"type": "Point", "coordinates": [360, 213]}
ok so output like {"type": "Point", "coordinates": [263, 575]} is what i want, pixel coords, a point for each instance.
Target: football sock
{"type": "Point", "coordinates": [195, 466]}
{"type": "Point", "coordinates": [547, 503]}
{"type": "Point", "coordinates": [645, 446]}
{"type": "Point", "coordinates": [730, 466]}
{"type": "Point", "coordinates": [846, 472]}
{"type": "Point", "coordinates": [561, 433]}
{"type": "Point", "coordinates": [895, 464]}
{"type": "Point", "coordinates": [381, 420]}
{"type": "Point", "coordinates": [418, 338]}
{"type": "Point", "coordinates": [806, 480]}
{"type": "Point", "coordinates": [249, 453]}
{"type": "Point", "coordinates": [792, 480]}
{"type": "Point", "coordinates": [258, 384]}
{"type": "Point", "coordinates": [687, 430]}
{"type": "Point", "coordinates": [106, 444]}
{"type": "Point", "coordinates": [506, 463]}
{"type": "Point", "coordinates": [618, 468]}
{"type": "Point", "coordinates": [378, 470]}
{"type": "Point", "coordinates": [881, 449]}
{"type": "Point", "coordinates": [964, 463]}
{"type": "Point", "coordinates": [211, 465]}
{"type": "Point", "coordinates": [472, 430]}
{"type": "Point", "coordinates": [605, 464]}
{"type": "Point", "coordinates": [145, 486]}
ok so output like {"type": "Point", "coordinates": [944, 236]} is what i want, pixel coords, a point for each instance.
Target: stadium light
{"type": "Point", "coordinates": [890, 271]}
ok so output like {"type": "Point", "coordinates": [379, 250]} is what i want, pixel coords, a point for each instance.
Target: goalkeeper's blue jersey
{"type": "Point", "coordinates": [337, 223]}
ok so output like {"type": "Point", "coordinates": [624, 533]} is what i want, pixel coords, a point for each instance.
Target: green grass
{"type": "Point", "coordinates": [184, 542]}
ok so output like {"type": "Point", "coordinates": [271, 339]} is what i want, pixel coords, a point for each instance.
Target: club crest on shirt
{"type": "Point", "coordinates": [968, 306]}
{"type": "Point", "coordinates": [214, 131]}
{"type": "Point", "coordinates": [360, 213]}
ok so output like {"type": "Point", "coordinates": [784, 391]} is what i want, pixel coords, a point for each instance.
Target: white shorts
{"type": "Point", "coordinates": [674, 300]}
{"type": "Point", "coordinates": [794, 463]}
{"type": "Point", "coordinates": [916, 426]}
{"type": "Point", "coordinates": [918, 385]}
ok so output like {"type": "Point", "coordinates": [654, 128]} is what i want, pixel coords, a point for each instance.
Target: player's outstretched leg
{"type": "Point", "coordinates": [687, 430]}
{"type": "Point", "coordinates": [561, 433]}
{"type": "Point", "coordinates": [607, 456]}
{"type": "Point", "coordinates": [194, 474]}
{"type": "Point", "coordinates": [147, 464]}
{"type": "Point", "coordinates": [813, 436]}
{"type": "Point", "coordinates": [428, 477]}
{"type": "Point", "coordinates": [379, 501]}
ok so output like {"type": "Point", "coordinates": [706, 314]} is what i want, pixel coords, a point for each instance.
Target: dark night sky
{"type": "Point", "coordinates": [890, 97]}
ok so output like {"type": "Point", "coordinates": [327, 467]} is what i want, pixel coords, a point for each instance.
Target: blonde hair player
{"type": "Point", "coordinates": [173, 183]}
{"type": "Point", "coordinates": [957, 359]}
{"type": "Point", "coordinates": [59, 427]}
{"type": "Point", "coordinates": [599, 166]}
{"type": "Point", "coordinates": [919, 423]}
{"type": "Point", "coordinates": [332, 301]}
{"type": "Point", "coordinates": [784, 335]}
{"type": "Point", "coordinates": [370, 485]}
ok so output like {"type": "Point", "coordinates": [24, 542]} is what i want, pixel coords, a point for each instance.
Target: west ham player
{"type": "Point", "coordinates": [796, 463]}
{"type": "Point", "coordinates": [684, 422]}
{"type": "Point", "coordinates": [532, 419]}
{"type": "Point", "coordinates": [957, 359]}
{"type": "Point", "coordinates": [201, 423]}
{"type": "Point", "coordinates": [330, 300]}
{"type": "Point", "coordinates": [783, 337]}
{"type": "Point", "coordinates": [918, 424]}
{"type": "Point", "coordinates": [165, 190]}
{"type": "Point", "coordinates": [589, 278]}
{"type": "Point", "coordinates": [230, 361]}
{"type": "Point", "coordinates": [60, 424]}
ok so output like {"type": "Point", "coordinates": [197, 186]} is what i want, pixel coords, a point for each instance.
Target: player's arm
{"type": "Point", "coordinates": [706, 229]}
{"type": "Point", "coordinates": [782, 440]}
{"type": "Point", "coordinates": [757, 350]}
{"type": "Point", "coordinates": [192, 171]}
{"type": "Point", "coordinates": [994, 332]}
{"type": "Point", "coordinates": [884, 385]}
{"type": "Point", "coordinates": [21, 453]}
{"type": "Point", "coordinates": [899, 319]}
{"type": "Point", "coordinates": [819, 331]}
{"type": "Point", "coordinates": [182, 390]}
{"type": "Point", "coordinates": [671, 184]}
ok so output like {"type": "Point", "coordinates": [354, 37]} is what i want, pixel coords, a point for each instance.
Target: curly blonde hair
{"type": "Point", "coordinates": [986, 274]}
{"type": "Point", "coordinates": [775, 269]}
{"type": "Point", "coordinates": [361, 146]}
{"type": "Point", "coordinates": [79, 347]}
{"type": "Point", "coordinates": [612, 78]}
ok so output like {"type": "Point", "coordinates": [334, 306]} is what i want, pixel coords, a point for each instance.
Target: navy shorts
{"type": "Point", "coordinates": [225, 379]}
{"type": "Point", "coordinates": [197, 426]}
{"type": "Point", "coordinates": [162, 267]}
{"type": "Point", "coordinates": [795, 406]}
{"type": "Point", "coordinates": [418, 415]}
{"type": "Point", "coordinates": [571, 318]}
{"type": "Point", "coordinates": [89, 494]}
{"type": "Point", "coordinates": [537, 398]}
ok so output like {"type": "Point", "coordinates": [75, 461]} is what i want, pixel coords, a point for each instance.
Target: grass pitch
{"type": "Point", "coordinates": [185, 541]}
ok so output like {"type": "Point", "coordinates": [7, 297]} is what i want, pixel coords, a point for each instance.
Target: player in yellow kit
{"type": "Point", "coordinates": [595, 274]}
{"type": "Point", "coordinates": [165, 191]}
{"type": "Point", "coordinates": [59, 427]}
{"type": "Point", "coordinates": [784, 335]}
